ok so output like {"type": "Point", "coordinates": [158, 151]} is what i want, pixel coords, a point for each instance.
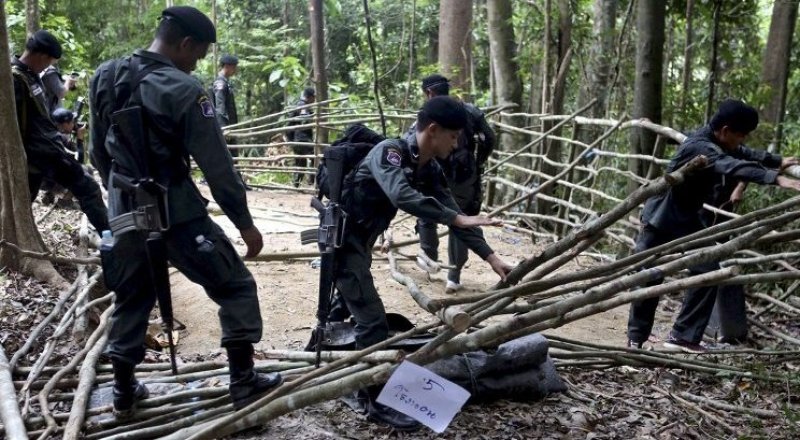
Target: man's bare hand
{"type": "Point", "coordinates": [468, 221]}
{"type": "Point", "coordinates": [738, 194]}
{"type": "Point", "coordinates": [499, 266]}
{"type": "Point", "coordinates": [789, 161]}
{"type": "Point", "coordinates": [788, 183]}
{"type": "Point", "coordinates": [252, 238]}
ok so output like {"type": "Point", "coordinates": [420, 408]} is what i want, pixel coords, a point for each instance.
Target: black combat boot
{"type": "Point", "coordinates": [247, 385]}
{"type": "Point", "coordinates": [380, 413]}
{"type": "Point", "coordinates": [127, 390]}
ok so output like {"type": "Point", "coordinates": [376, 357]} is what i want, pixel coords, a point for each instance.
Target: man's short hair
{"type": "Point", "coordinates": [228, 60]}
{"type": "Point", "coordinates": [736, 115]}
{"type": "Point", "coordinates": [44, 42]}
{"type": "Point", "coordinates": [62, 115]}
{"type": "Point", "coordinates": [309, 92]}
{"type": "Point", "coordinates": [436, 84]}
{"type": "Point", "coordinates": [445, 111]}
{"type": "Point", "coordinates": [179, 22]}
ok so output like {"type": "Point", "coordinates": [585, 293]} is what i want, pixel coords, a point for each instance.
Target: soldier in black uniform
{"type": "Point", "coordinates": [302, 117]}
{"type": "Point", "coordinates": [54, 87]}
{"type": "Point", "coordinates": [44, 148]}
{"type": "Point", "coordinates": [677, 212]}
{"type": "Point", "coordinates": [72, 137]}
{"type": "Point", "coordinates": [463, 170]}
{"type": "Point", "coordinates": [180, 124]}
{"type": "Point", "coordinates": [224, 101]}
{"type": "Point", "coordinates": [399, 174]}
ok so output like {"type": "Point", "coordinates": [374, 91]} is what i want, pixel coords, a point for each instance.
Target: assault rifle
{"type": "Point", "coordinates": [328, 236]}
{"type": "Point", "coordinates": [149, 213]}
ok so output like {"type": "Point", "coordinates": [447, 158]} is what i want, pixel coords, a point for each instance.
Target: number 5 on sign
{"type": "Point", "coordinates": [426, 397]}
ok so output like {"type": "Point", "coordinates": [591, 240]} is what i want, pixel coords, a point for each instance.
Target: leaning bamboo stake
{"type": "Point", "coordinates": [330, 356]}
{"type": "Point", "coordinates": [87, 376]}
{"type": "Point", "coordinates": [284, 112]}
{"type": "Point", "coordinates": [100, 336]}
{"type": "Point", "coordinates": [9, 410]}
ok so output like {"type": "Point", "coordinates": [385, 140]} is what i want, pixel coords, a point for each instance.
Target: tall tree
{"type": "Point", "coordinates": [601, 53]}
{"type": "Point", "coordinates": [503, 62]}
{"type": "Point", "coordinates": [32, 16]}
{"type": "Point", "coordinates": [775, 66]}
{"type": "Point", "coordinates": [16, 217]}
{"type": "Point", "coordinates": [317, 23]}
{"type": "Point", "coordinates": [712, 76]}
{"type": "Point", "coordinates": [688, 53]}
{"type": "Point", "coordinates": [647, 83]}
{"type": "Point", "coordinates": [455, 47]}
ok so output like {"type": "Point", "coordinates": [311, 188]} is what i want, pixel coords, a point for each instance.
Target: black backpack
{"type": "Point", "coordinates": [356, 142]}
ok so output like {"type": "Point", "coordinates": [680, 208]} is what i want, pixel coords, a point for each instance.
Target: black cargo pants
{"type": "Point", "coordinates": [697, 304]}
{"type": "Point", "coordinates": [219, 270]}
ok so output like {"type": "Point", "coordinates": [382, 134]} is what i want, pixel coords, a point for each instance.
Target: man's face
{"type": "Point", "coordinates": [729, 139]}
{"type": "Point", "coordinates": [443, 140]}
{"type": "Point", "coordinates": [189, 52]}
{"type": "Point", "coordinates": [66, 127]}
{"type": "Point", "coordinates": [230, 70]}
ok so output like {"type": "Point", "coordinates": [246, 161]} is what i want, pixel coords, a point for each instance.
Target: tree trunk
{"type": "Point", "coordinates": [455, 21]}
{"type": "Point", "coordinates": [647, 84]}
{"type": "Point", "coordinates": [503, 64]}
{"type": "Point", "coordinates": [712, 77]}
{"type": "Point", "coordinates": [601, 53]}
{"type": "Point", "coordinates": [317, 23]}
{"type": "Point", "coordinates": [16, 217]}
{"type": "Point", "coordinates": [688, 53]}
{"type": "Point", "coordinates": [32, 16]}
{"type": "Point", "coordinates": [775, 67]}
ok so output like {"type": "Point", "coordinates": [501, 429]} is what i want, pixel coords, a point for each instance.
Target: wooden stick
{"type": "Point", "coordinates": [9, 410]}
{"type": "Point", "coordinates": [47, 256]}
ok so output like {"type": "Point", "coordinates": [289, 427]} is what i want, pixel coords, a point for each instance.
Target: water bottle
{"type": "Point", "coordinates": [106, 241]}
{"type": "Point", "coordinates": [203, 245]}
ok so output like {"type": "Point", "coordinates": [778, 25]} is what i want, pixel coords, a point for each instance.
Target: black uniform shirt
{"type": "Point", "coordinates": [40, 135]}
{"type": "Point", "coordinates": [224, 102]}
{"type": "Point", "coordinates": [181, 123]}
{"type": "Point", "coordinates": [475, 145]}
{"type": "Point", "coordinates": [302, 117]}
{"type": "Point", "coordinates": [391, 178]}
{"type": "Point", "coordinates": [679, 209]}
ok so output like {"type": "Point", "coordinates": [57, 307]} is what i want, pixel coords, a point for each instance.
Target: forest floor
{"type": "Point", "coordinates": [618, 403]}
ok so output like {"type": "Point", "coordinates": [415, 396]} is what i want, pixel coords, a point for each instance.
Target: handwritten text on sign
{"type": "Point", "coordinates": [426, 397]}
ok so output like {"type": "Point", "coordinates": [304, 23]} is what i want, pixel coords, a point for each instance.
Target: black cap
{"type": "Point", "coordinates": [736, 115]}
{"type": "Point", "coordinates": [445, 111]}
{"type": "Point", "coordinates": [44, 42]}
{"type": "Point", "coordinates": [61, 115]}
{"type": "Point", "coordinates": [230, 60]}
{"type": "Point", "coordinates": [436, 83]}
{"type": "Point", "coordinates": [193, 21]}
{"type": "Point", "coordinates": [309, 92]}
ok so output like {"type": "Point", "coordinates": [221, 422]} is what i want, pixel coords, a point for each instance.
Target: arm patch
{"type": "Point", "coordinates": [206, 108]}
{"type": "Point", "coordinates": [392, 156]}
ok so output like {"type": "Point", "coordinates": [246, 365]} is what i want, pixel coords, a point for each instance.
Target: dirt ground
{"type": "Point", "coordinates": [288, 289]}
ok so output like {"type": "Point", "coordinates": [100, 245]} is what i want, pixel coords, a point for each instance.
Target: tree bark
{"type": "Point", "coordinates": [503, 64]}
{"type": "Point", "coordinates": [16, 217]}
{"type": "Point", "coordinates": [688, 54]}
{"type": "Point", "coordinates": [712, 77]}
{"type": "Point", "coordinates": [647, 84]}
{"type": "Point", "coordinates": [317, 24]}
{"type": "Point", "coordinates": [602, 49]}
{"type": "Point", "coordinates": [775, 67]}
{"type": "Point", "coordinates": [455, 47]}
{"type": "Point", "coordinates": [32, 16]}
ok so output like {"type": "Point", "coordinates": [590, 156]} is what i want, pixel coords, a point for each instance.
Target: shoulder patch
{"type": "Point", "coordinates": [206, 108]}
{"type": "Point", "coordinates": [393, 156]}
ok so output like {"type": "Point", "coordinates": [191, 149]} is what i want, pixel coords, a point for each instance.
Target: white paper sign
{"type": "Point", "coordinates": [424, 396]}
